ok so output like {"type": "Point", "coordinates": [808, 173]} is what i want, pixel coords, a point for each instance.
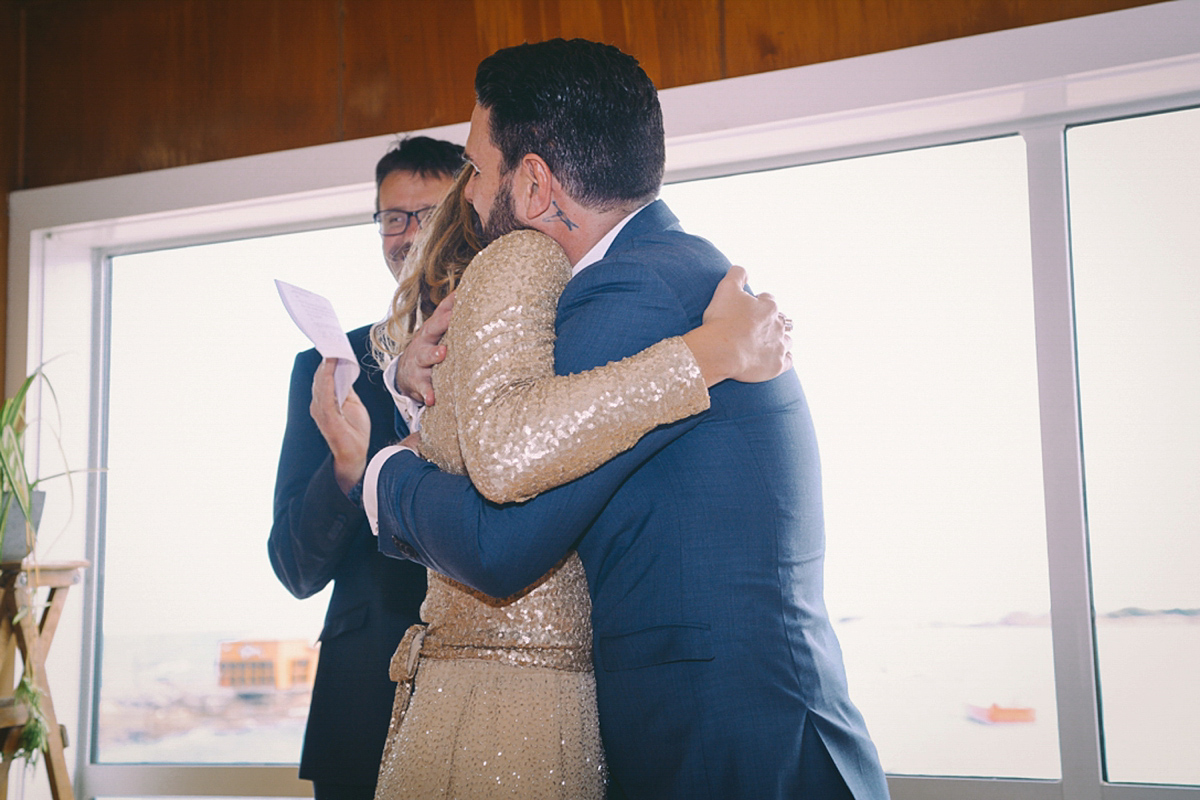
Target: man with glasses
{"type": "Point", "coordinates": [320, 534]}
{"type": "Point", "coordinates": [410, 181]}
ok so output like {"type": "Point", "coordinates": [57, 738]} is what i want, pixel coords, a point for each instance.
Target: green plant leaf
{"type": "Point", "coordinates": [14, 479]}
{"type": "Point", "coordinates": [35, 733]}
{"type": "Point", "coordinates": [12, 462]}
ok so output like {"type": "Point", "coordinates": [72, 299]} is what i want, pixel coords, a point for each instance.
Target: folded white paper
{"type": "Point", "coordinates": [314, 315]}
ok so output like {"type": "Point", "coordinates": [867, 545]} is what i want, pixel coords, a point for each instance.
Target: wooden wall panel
{"type": "Point", "coordinates": [10, 70]}
{"type": "Point", "coordinates": [676, 41]}
{"type": "Point", "coordinates": [688, 40]}
{"type": "Point", "coordinates": [763, 35]}
{"type": "Point", "coordinates": [409, 64]}
{"type": "Point", "coordinates": [120, 87]}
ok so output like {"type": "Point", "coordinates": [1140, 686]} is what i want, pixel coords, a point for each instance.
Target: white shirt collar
{"type": "Point", "coordinates": [600, 249]}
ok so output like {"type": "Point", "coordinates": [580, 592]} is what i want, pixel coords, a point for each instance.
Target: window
{"type": "Point", "coordinates": [200, 358]}
{"type": "Point", "coordinates": [1136, 249]}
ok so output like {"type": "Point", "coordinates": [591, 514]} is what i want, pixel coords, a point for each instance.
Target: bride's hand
{"type": "Point", "coordinates": [744, 337]}
{"type": "Point", "coordinates": [414, 366]}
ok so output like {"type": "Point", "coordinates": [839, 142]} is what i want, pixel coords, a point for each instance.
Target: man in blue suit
{"type": "Point", "coordinates": [320, 534]}
{"type": "Point", "coordinates": [718, 674]}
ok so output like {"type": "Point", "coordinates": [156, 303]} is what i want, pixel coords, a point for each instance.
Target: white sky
{"type": "Point", "coordinates": [1136, 247]}
{"type": "Point", "coordinates": [210, 317]}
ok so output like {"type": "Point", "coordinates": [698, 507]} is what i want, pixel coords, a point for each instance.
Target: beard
{"type": "Point", "coordinates": [395, 260]}
{"type": "Point", "coordinates": [503, 218]}
{"type": "Point", "coordinates": [396, 257]}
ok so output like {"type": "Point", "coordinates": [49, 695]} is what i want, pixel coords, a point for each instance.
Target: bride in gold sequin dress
{"type": "Point", "coordinates": [496, 697]}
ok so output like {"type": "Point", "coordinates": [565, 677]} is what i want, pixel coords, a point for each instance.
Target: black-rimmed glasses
{"type": "Point", "coordinates": [394, 221]}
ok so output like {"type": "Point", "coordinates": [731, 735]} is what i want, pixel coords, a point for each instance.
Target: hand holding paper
{"type": "Point", "coordinates": [315, 317]}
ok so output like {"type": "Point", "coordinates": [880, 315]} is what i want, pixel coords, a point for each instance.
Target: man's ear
{"type": "Point", "coordinates": [533, 187]}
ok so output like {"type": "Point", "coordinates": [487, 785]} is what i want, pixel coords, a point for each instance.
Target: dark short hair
{"type": "Point", "coordinates": [586, 108]}
{"type": "Point", "coordinates": [421, 155]}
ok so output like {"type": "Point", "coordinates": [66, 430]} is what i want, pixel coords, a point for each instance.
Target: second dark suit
{"type": "Point", "coordinates": [318, 536]}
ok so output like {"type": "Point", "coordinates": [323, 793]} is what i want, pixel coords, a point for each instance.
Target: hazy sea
{"type": "Point", "coordinates": [913, 683]}
{"type": "Point", "coordinates": [160, 701]}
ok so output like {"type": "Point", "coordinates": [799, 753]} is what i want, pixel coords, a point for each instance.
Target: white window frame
{"type": "Point", "coordinates": [1033, 81]}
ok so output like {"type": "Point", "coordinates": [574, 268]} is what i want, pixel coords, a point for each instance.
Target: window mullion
{"type": "Point", "coordinates": [1062, 466]}
{"type": "Point", "coordinates": [96, 488]}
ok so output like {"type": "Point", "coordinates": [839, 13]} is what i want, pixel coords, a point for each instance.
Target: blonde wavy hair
{"type": "Point", "coordinates": [446, 245]}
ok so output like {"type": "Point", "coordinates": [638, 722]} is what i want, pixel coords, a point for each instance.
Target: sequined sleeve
{"type": "Point", "coordinates": [521, 429]}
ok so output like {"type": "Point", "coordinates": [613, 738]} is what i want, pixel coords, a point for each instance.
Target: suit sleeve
{"type": "Point", "coordinates": [521, 428]}
{"type": "Point", "coordinates": [314, 522]}
{"type": "Point", "coordinates": [441, 521]}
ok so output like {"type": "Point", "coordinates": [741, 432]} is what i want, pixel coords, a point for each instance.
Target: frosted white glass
{"type": "Point", "coordinates": [201, 358]}
{"type": "Point", "coordinates": [1134, 204]}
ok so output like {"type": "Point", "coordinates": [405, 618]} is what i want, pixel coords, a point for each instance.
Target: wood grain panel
{"type": "Point", "coordinates": [10, 50]}
{"type": "Point", "coordinates": [119, 87]}
{"type": "Point", "coordinates": [690, 41]}
{"type": "Point", "coordinates": [409, 64]}
{"type": "Point", "coordinates": [675, 41]}
{"type": "Point", "coordinates": [504, 23]}
{"type": "Point", "coordinates": [763, 35]}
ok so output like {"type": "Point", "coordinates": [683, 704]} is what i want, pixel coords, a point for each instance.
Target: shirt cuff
{"type": "Point", "coordinates": [370, 495]}
{"type": "Point", "coordinates": [410, 410]}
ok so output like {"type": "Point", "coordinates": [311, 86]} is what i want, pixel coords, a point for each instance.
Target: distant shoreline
{"type": "Point", "coordinates": [1187, 615]}
{"type": "Point", "coordinates": [1024, 619]}
{"type": "Point", "coordinates": [1132, 614]}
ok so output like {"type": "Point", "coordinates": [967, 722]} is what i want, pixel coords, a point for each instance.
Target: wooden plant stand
{"type": "Point", "coordinates": [32, 637]}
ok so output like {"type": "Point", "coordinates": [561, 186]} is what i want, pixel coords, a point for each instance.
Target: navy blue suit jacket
{"type": "Point", "coordinates": [718, 674]}
{"type": "Point", "coordinates": [319, 536]}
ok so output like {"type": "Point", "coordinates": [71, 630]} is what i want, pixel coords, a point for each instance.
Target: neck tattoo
{"type": "Point", "coordinates": [561, 216]}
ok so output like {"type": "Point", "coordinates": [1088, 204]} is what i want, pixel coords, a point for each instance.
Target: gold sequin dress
{"type": "Point", "coordinates": [496, 698]}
